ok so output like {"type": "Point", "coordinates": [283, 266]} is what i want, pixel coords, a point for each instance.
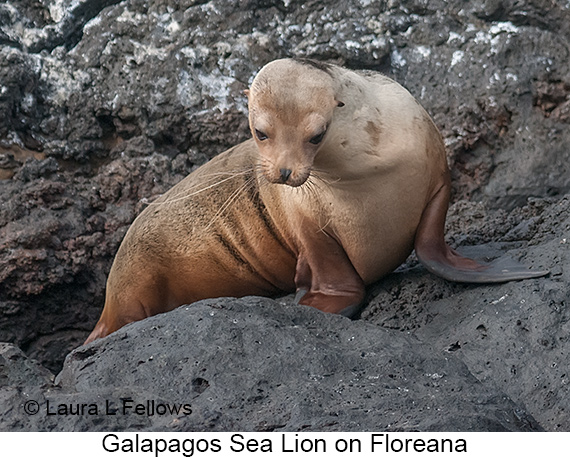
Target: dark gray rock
{"type": "Point", "coordinates": [257, 365]}
{"type": "Point", "coordinates": [512, 336]}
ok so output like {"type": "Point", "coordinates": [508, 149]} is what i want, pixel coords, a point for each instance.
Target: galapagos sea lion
{"type": "Point", "coordinates": [345, 175]}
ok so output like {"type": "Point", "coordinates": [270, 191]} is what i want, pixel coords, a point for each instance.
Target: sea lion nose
{"type": "Point", "coordinates": [285, 173]}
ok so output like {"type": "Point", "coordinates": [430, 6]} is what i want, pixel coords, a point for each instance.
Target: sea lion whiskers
{"type": "Point", "coordinates": [258, 172]}
{"type": "Point", "coordinates": [230, 200]}
{"type": "Point", "coordinates": [311, 186]}
{"type": "Point", "coordinates": [210, 184]}
{"type": "Point", "coordinates": [309, 192]}
{"type": "Point", "coordinates": [324, 176]}
{"type": "Point", "coordinates": [313, 190]}
{"type": "Point", "coordinates": [263, 165]}
{"type": "Point", "coordinates": [326, 224]}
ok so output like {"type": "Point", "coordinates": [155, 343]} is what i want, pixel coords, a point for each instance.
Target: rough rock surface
{"type": "Point", "coordinates": [257, 365]}
{"type": "Point", "coordinates": [105, 104]}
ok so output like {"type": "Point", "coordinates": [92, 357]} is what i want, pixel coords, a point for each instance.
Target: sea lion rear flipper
{"type": "Point", "coordinates": [440, 259]}
{"type": "Point", "coordinates": [454, 267]}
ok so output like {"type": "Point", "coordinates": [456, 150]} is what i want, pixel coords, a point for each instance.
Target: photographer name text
{"type": "Point", "coordinates": [125, 406]}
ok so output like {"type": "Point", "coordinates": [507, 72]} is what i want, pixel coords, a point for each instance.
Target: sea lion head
{"type": "Point", "coordinates": [291, 106]}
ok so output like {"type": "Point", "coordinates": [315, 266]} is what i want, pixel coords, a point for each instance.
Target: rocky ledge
{"type": "Point", "coordinates": [257, 365]}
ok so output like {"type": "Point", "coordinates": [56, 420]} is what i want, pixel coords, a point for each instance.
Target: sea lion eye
{"type": "Point", "coordinates": [260, 135]}
{"type": "Point", "coordinates": [317, 138]}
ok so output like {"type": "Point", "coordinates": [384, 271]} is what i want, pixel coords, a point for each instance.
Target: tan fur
{"type": "Point", "coordinates": [382, 159]}
{"type": "Point", "coordinates": [345, 172]}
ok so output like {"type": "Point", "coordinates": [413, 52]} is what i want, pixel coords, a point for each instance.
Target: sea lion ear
{"type": "Point", "coordinates": [339, 104]}
{"type": "Point", "coordinates": [246, 92]}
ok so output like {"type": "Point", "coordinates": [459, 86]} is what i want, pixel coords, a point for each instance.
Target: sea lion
{"type": "Point", "coordinates": [345, 175]}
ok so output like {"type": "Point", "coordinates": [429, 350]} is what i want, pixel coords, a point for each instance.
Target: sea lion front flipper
{"type": "Point", "coordinates": [325, 277]}
{"type": "Point", "coordinates": [350, 311]}
{"type": "Point", "coordinates": [440, 259]}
